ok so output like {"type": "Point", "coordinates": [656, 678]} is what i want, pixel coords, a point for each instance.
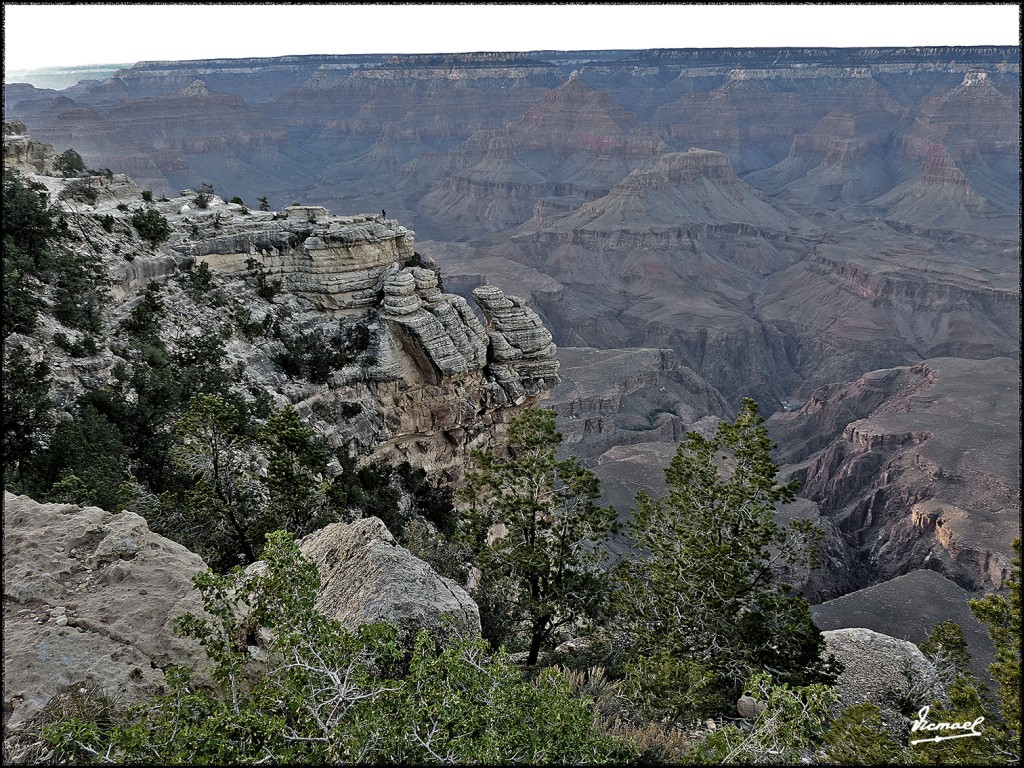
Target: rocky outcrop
{"type": "Point", "coordinates": [422, 379]}
{"type": "Point", "coordinates": [352, 266]}
{"type": "Point", "coordinates": [908, 486]}
{"type": "Point", "coordinates": [438, 333]}
{"type": "Point", "coordinates": [334, 261]}
{"type": "Point", "coordinates": [90, 597]}
{"type": "Point", "coordinates": [893, 674]}
{"type": "Point", "coordinates": [366, 577]}
{"type": "Point", "coordinates": [521, 353]}
{"type": "Point", "coordinates": [907, 607]}
{"type": "Point", "coordinates": [24, 153]}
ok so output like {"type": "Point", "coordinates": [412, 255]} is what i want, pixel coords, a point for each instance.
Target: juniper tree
{"type": "Point", "coordinates": [538, 535]}
{"type": "Point", "coordinates": [702, 607]}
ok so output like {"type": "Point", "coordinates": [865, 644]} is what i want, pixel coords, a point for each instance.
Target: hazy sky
{"type": "Point", "coordinates": [40, 35]}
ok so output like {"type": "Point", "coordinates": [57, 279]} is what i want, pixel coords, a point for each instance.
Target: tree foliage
{"type": "Point", "coordinates": [27, 410]}
{"type": "Point", "coordinates": [537, 534]}
{"type": "Point", "coordinates": [151, 225]}
{"type": "Point", "coordinates": [31, 238]}
{"type": "Point", "coordinates": [1002, 614]}
{"type": "Point", "coordinates": [230, 505]}
{"type": "Point", "coordinates": [69, 163]}
{"type": "Point", "coordinates": [999, 743]}
{"type": "Point", "coordinates": [320, 694]}
{"type": "Point", "coordinates": [706, 600]}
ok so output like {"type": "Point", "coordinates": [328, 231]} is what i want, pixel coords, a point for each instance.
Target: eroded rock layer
{"type": "Point", "coordinates": [918, 466]}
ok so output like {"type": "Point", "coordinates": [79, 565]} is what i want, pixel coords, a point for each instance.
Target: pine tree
{"type": "Point", "coordinates": [704, 609]}
{"type": "Point", "coordinates": [538, 534]}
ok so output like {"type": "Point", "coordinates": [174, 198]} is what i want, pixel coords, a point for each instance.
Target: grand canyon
{"type": "Point", "coordinates": [834, 233]}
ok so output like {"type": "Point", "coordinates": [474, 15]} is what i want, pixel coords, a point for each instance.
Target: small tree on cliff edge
{"type": "Point", "coordinates": [538, 535]}
{"type": "Point", "coordinates": [703, 611]}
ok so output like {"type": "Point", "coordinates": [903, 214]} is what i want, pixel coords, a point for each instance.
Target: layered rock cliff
{"type": "Point", "coordinates": [918, 467]}
{"type": "Point", "coordinates": [431, 378]}
{"type": "Point", "coordinates": [857, 181]}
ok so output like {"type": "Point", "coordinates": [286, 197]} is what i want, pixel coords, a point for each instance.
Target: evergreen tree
{"type": "Point", "coordinates": [300, 501]}
{"type": "Point", "coordinates": [217, 515]}
{"type": "Point", "coordinates": [704, 609]}
{"type": "Point", "coordinates": [538, 535]}
{"type": "Point", "coordinates": [27, 409]}
{"type": "Point", "coordinates": [30, 237]}
{"type": "Point", "coordinates": [69, 163]}
{"type": "Point", "coordinates": [1002, 614]}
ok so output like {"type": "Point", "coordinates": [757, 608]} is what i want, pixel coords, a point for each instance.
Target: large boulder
{"type": "Point", "coordinates": [883, 670]}
{"type": "Point", "coordinates": [365, 577]}
{"type": "Point", "coordinates": [90, 598]}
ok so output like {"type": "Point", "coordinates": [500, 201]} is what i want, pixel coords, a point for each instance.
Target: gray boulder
{"type": "Point", "coordinates": [882, 670]}
{"type": "Point", "coordinates": [90, 598]}
{"type": "Point", "coordinates": [365, 577]}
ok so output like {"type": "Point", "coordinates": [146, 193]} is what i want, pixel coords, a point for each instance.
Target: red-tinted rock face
{"type": "Point", "coordinates": [576, 142]}
{"type": "Point", "coordinates": [918, 466]}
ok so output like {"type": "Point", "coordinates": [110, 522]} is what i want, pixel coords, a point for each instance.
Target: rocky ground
{"type": "Point", "coordinates": [91, 599]}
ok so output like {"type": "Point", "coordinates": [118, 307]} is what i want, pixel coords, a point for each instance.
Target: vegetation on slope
{"type": "Point", "coordinates": [673, 637]}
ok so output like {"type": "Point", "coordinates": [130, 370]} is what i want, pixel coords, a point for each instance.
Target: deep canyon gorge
{"type": "Point", "coordinates": [636, 239]}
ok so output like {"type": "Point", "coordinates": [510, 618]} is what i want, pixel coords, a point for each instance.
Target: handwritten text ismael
{"type": "Point", "coordinates": [922, 724]}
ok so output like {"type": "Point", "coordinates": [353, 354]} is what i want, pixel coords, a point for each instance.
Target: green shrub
{"type": "Point", "coordinates": [81, 191]}
{"type": "Point", "coordinates": [28, 409]}
{"type": "Point", "coordinates": [315, 355]}
{"type": "Point", "coordinates": [84, 348]}
{"type": "Point", "coordinates": [201, 277]}
{"type": "Point", "coordinates": [788, 731]}
{"type": "Point", "coordinates": [151, 225]}
{"type": "Point", "coordinates": [326, 696]}
{"type": "Point", "coordinates": [31, 249]}
{"type": "Point", "coordinates": [265, 289]}
{"type": "Point", "coordinates": [68, 164]}
{"type": "Point", "coordinates": [147, 195]}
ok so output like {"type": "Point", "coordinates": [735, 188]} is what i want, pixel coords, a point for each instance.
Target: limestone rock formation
{"type": "Point", "coordinates": [421, 379]}
{"type": "Point", "coordinates": [333, 261]}
{"type": "Point", "coordinates": [90, 597]}
{"type": "Point", "coordinates": [521, 355]}
{"type": "Point", "coordinates": [25, 153]}
{"type": "Point", "coordinates": [882, 670]}
{"type": "Point", "coordinates": [436, 381]}
{"type": "Point", "coordinates": [365, 577]}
